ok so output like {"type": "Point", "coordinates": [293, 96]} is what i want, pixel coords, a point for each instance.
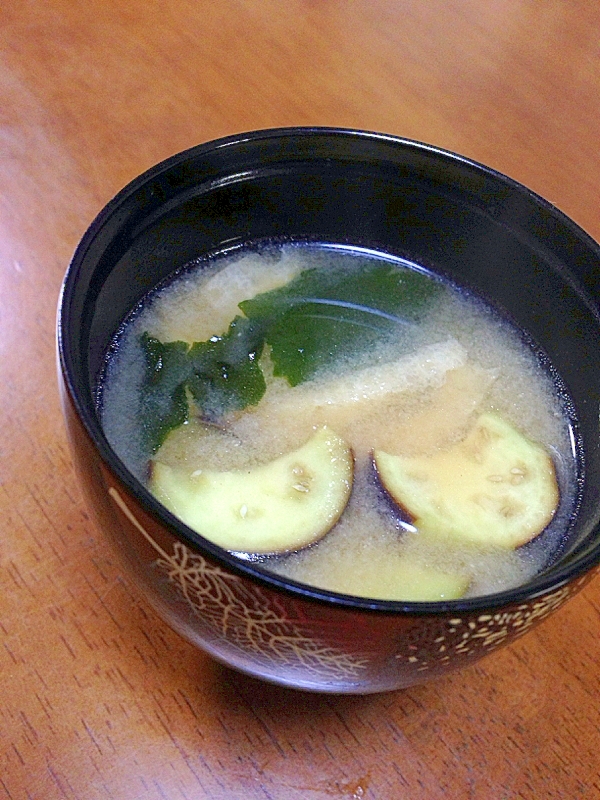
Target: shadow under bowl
{"type": "Point", "coordinates": [439, 210]}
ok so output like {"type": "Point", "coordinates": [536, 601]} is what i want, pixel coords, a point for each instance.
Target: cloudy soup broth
{"type": "Point", "coordinates": [346, 420]}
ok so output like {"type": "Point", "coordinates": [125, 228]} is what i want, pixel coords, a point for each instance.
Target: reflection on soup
{"type": "Point", "coordinates": [346, 419]}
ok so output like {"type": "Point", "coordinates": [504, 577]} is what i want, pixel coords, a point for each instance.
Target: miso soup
{"type": "Point", "coordinates": [346, 419]}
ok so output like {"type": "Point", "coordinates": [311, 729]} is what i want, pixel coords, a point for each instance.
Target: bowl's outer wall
{"type": "Point", "coordinates": [437, 210]}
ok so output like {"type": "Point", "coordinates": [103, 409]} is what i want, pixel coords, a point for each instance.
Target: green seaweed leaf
{"type": "Point", "coordinates": [317, 318]}
{"type": "Point", "coordinates": [324, 315]}
{"type": "Point", "coordinates": [163, 401]}
{"type": "Point", "coordinates": [226, 374]}
{"type": "Point", "coordinates": [221, 374]}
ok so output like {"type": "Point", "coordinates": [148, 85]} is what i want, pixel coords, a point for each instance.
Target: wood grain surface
{"type": "Point", "coordinates": [98, 698]}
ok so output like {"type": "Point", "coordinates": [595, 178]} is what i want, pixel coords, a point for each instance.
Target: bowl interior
{"type": "Point", "coordinates": [459, 219]}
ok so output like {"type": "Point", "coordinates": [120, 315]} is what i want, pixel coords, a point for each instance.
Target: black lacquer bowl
{"type": "Point", "coordinates": [463, 220]}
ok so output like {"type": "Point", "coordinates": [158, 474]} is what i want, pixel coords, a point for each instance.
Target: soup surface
{"type": "Point", "coordinates": [347, 419]}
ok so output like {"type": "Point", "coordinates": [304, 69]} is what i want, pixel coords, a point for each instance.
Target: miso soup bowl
{"type": "Point", "coordinates": [439, 210]}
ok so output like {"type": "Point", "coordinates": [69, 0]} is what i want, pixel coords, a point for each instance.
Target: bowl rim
{"type": "Point", "coordinates": [547, 582]}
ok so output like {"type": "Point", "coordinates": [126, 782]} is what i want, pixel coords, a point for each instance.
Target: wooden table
{"type": "Point", "coordinates": [98, 698]}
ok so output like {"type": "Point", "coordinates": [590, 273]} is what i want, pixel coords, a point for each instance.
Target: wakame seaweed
{"type": "Point", "coordinates": [216, 376]}
{"type": "Point", "coordinates": [317, 318]}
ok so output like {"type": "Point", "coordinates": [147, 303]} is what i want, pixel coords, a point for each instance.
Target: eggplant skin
{"type": "Point", "coordinates": [402, 515]}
